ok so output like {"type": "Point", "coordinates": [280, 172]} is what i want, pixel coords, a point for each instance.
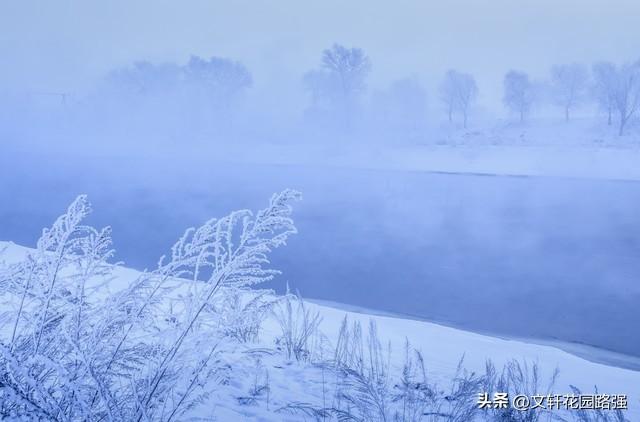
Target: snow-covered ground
{"type": "Point", "coordinates": [442, 348]}
{"type": "Point", "coordinates": [550, 147]}
{"type": "Point", "coordinates": [517, 160]}
{"type": "Point", "coordinates": [582, 148]}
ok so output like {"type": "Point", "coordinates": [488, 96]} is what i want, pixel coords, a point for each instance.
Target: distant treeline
{"type": "Point", "coordinates": [208, 96]}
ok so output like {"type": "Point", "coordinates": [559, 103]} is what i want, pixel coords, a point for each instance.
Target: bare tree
{"type": "Point", "coordinates": [340, 80]}
{"type": "Point", "coordinates": [518, 92]}
{"type": "Point", "coordinates": [349, 66]}
{"type": "Point", "coordinates": [219, 78]}
{"type": "Point", "coordinates": [568, 83]}
{"type": "Point", "coordinates": [604, 87]}
{"type": "Point", "coordinates": [467, 94]}
{"type": "Point", "coordinates": [458, 91]}
{"type": "Point", "coordinates": [448, 92]}
{"type": "Point", "coordinates": [214, 90]}
{"type": "Point", "coordinates": [626, 99]}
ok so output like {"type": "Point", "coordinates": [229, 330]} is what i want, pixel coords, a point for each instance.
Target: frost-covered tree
{"type": "Point", "coordinates": [349, 67]}
{"type": "Point", "coordinates": [604, 87]}
{"type": "Point", "coordinates": [458, 91]}
{"type": "Point", "coordinates": [617, 90]}
{"type": "Point", "coordinates": [340, 80]}
{"type": "Point", "coordinates": [221, 79]}
{"type": "Point", "coordinates": [173, 98]}
{"type": "Point", "coordinates": [132, 97]}
{"type": "Point", "coordinates": [448, 93]}
{"type": "Point", "coordinates": [214, 88]}
{"type": "Point", "coordinates": [626, 97]}
{"type": "Point", "coordinates": [568, 86]}
{"type": "Point", "coordinates": [518, 93]}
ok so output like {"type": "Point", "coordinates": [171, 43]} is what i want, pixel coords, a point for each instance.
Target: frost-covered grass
{"type": "Point", "coordinates": [84, 339]}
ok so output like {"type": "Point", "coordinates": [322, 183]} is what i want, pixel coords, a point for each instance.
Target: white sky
{"type": "Point", "coordinates": [66, 45]}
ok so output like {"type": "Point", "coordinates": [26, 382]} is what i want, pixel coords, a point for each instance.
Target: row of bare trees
{"type": "Point", "coordinates": [614, 89]}
{"type": "Point", "coordinates": [341, 80]}
{"type": "Point", "coordinates": [209, 90]}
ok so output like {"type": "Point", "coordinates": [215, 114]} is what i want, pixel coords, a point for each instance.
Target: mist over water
{"type": "Point", "coordinates": [552, 258]}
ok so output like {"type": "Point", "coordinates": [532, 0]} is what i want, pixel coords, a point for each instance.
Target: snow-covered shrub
{"type": "Point", "coordinates": [349, 350]}
{"type": "Point", "coordinates": [298, 326]}
{"type": "Point", "coordinates": [260, 387]}
{"type": "Point", "coordinates": [72, 349]}
{"type": "Point", "coordinates": [596, 415]}
{"type": "Point", "coordinates": [367, 388]}
{"type": "Point", "coordinates": [518, 378]}
{"type": "Point", "coordinates": [422, 400]}
{"type": "Point", "coordinates": [458, 403]}
{"type": "Point", "coordinates": [359, 375]}
{"type": "Point", "coordinates": [413, 394]}
{"type": "Point", "coordinates": [45, 360]}
{"type": "Point", "coordinates": [243, 311]}
{"type": "Point", "coordinates": [364, 383]}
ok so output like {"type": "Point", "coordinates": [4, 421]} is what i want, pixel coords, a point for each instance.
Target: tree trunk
{"type": "Point", "coordinates": [609, 120]}
{"type": "Point", "coordinates": [623, 121]}
{"type": "Point", "coordinates": [521, 116]}
{"type": "Point", "coordinates": [566, 114]}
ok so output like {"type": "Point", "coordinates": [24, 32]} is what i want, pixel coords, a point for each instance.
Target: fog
{"type": "Point", "coordinates": [168, 114]}
{"type": "Point", "coordinates": [66, 46]}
